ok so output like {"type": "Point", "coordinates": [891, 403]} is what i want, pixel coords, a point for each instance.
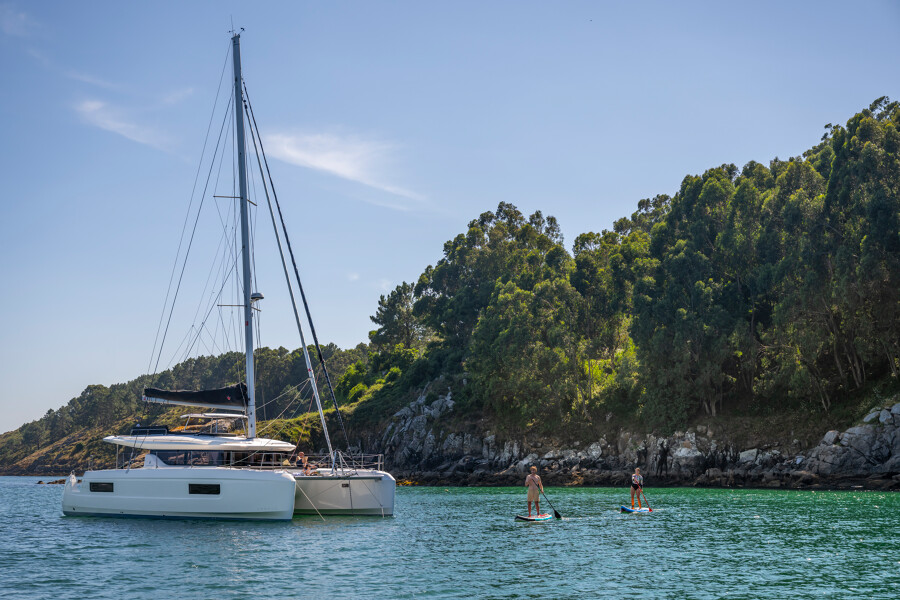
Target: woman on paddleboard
{"type": "Point", "coordinates": [637, 483]}
{"type": "Point", "coordinates": [535, 487]}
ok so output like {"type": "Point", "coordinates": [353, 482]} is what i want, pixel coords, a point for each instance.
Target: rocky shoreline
{"type": "Point", "coordinates": [421, 452]}
{"type": "Point", "coordinates": [423, 447]}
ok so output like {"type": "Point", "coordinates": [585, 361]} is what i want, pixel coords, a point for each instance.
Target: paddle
{"type": "Point", "coordinates": [555, 512]}
{"type": "Point", "coordinates": [645, 499]}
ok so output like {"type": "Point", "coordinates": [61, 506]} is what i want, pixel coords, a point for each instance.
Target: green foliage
{"type": "Point", "coordinates": [393, 374]}
{"type": "Point", "coordinates": [356, 392]}
{"type": "Point", "coordinates": [354, 376]}
{"type": "Point", "coordinates": [749, 288]}
{"type": "Point", "coordinates": [398, 324]}
{"type": "Point", "coordinates": [399, 356]}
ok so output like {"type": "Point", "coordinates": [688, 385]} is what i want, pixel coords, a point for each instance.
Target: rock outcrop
{"type": "Point", "coordinates": [421, 446]}
{"type": "Point", "coordinates": [872, 448]}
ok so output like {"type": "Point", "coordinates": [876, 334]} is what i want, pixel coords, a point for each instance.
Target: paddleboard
{"type": "Point", "coordinates": [544, 517]}
{"type": "Point", "coordinates": [626, 509]}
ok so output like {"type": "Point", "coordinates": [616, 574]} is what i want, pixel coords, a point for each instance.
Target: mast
{"type": "Point", "coordinates": [245, 235]}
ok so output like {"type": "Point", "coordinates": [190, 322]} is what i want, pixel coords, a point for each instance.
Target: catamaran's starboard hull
{"type": "Point", "coordinates": [182, 493]}
{"type": "Point", "coordinates": [360, 492]}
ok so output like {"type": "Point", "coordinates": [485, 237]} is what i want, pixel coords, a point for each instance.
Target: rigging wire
{"type": "Point", "coordinates": [209, 277]}
{"type": "Point", "coordinates": [255, 133]}
{"type": "Point", "coordinates": [205, 318]}
{"type": "Point", "coordinates": [271, 422]}
{"type": "Point", "coordinates": [200, 333]}
{"type": "Point", "coordinates": [187, 215]}
{"type": "Point", "coordinates": [187, 253]}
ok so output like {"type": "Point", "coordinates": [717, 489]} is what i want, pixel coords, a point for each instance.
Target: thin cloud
{"type": "Point", "coordinates": [352, 276]}
{"type": "Point", "coordinates": [95, 81]}
{"type": "Point", "coordinates": [177, 96]}
{"type": "Point", "coordinates": [350, 158]}
{"type": "Point", "coordinates": [40, 57]}
{"type": "Point", "coordinates": [15, 22]}
{"type": "Point", "coordinates": [104, 116]}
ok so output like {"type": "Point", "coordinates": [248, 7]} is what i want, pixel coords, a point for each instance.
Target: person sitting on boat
{"type": "Point", "coordinates": [637, 484]}
{"type": "Point", "coordinates": [297, 459]}
{"type": "Point", "coordinates": [535, 487]}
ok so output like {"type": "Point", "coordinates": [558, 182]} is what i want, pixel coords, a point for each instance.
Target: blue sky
{"type": "Point", "coordinates": [389, 126]}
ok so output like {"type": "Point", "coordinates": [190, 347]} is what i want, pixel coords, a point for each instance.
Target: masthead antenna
{"type": "Point", "coordinates": [233, 32]}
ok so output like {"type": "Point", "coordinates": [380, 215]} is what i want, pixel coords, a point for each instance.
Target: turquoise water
{"type": "Point", "coordinates": [463, 542]}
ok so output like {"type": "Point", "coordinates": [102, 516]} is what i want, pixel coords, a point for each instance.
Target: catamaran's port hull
{"type": "Point", "coordinates": [182, 493]}
{"type": "Point", "coordinates": [360, 492]}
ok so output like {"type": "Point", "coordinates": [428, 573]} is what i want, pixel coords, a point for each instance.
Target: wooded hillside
{"type": "Point", "coordinates": [750, 290]}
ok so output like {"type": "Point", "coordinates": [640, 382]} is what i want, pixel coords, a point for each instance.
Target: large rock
{"type": "Point", "coordinates": [525, 464]}
{"type": "Point", "coordinates": [404, 413]}
{"type": "Point", "coordinates": [471, 444]}
{"type": "Point", "coordinates": [569, 458]}
{"type": "Point", "coordinates": [831, 438]}
{"type": "Point", "coordinates": [594, 451]}
{"type": "Point", "coordinates": [428, 446]}
{"type": "Point", "coordinates": [689, 460]}
{"type": "Point", "coordinates": [892, 465]}
{"type": "Point", "coordinates": [453, 445]}
{"type": "Point", "coordinates": [859, 438]}
{"type": "Point", "coordinates": [441, 406]}
{"type": "Point", "coordinates": [769, 458]}
{"type": "Point", "coordinates": [748, 456]}
{"type": "Point", "coordinates": [510, 453]}
{"type": "Point", "coordinates": [417, 426]}
{"type": "Point", "coordinates": [836, 460]}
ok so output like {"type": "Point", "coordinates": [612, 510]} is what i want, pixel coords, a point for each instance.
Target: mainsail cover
{"type": "Point", "coordinates": [233, 396]}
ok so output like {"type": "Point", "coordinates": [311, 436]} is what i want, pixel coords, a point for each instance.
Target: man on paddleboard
{"type": "Point", "coordinates": [637, 482]}
{"type": "Point", "coordinates": [535, 487]}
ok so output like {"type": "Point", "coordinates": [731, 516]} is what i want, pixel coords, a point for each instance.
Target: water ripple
{"type": "Point", "coordinates": [463, 543]}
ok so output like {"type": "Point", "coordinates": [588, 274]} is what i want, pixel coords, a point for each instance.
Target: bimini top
{"type": "Point", "coordinates": [233, 396]}
{"type": "Point", "coordinates": [199, 442]}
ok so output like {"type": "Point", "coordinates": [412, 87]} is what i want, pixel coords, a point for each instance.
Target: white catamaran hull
{"type": "Point", "coordinates": [361, 492]}
{"type": "Point", "coordinates": [186, 493]}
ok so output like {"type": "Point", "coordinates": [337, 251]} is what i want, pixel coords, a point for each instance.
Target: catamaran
{"type": "Point", "coordinates": [218, 468]}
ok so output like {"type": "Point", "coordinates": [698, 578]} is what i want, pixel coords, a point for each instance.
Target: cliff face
{"type": "Point", "coordinates": [422, 446]}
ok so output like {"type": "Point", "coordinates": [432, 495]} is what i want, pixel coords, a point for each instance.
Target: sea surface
{"type": "Point", "coordinates": [464, 543]}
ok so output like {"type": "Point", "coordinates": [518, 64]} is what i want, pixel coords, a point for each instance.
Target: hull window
{"type": "Point", "coordinates": [203, 488]}
{"type": "Point", "coordinates": [97, 486]}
